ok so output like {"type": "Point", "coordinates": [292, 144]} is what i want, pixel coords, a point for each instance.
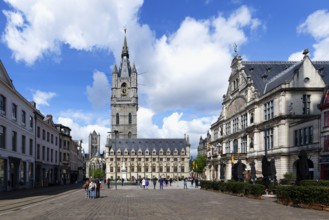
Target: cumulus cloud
{"type": "Point", "coordinates": [192, 66]}
{"type": "Point", "coordinates": [81, 131]}
{"type": "Point", "coordinates": [298, 56]}
{"type": "Point", "coordinates": [42, 98]}
{"type": "Point", "coordinates": [184, 70]}
{"type": "Point", "coordinates": [38, 28]}
{"type": "Point", "coordinates": [173, 126]}
{"type": "Point", "coordinates": [317, 25]}
{"type": "Point", "coordinates": [98, 94]}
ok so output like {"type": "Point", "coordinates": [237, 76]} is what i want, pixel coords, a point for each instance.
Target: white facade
{"type": "Point", "coordinates": [270, 108]}
{"type": "Point", "coordinates": [17, 130]}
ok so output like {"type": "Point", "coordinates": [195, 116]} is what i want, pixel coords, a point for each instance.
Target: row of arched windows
{"type": "Point", "coordinates": [147, 152]}
{"type": "Point", "coordinates": [117, 119]}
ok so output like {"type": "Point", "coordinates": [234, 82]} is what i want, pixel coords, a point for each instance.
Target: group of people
{"type": "Point", "coordinates": [192, 182]}
{"type": "Point", "coordinates": [92, 188]}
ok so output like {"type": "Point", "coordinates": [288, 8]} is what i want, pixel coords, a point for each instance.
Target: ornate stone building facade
{"type": "Point", "coordinates": [270, 108]}
{"type": "Point", "coordinates": [128, 156]}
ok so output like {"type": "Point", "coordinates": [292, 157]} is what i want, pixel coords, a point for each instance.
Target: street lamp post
{"type": "Point", "coordinates": [115, 132]}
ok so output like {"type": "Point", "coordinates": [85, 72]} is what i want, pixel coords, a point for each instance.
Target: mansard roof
{"type": "Point", "coordinates": [149, 143]}
{"type": "Point", "coordinates": [268, 75]}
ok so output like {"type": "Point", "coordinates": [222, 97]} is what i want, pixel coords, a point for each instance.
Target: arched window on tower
{"type": "Point", "coordinates": [129, 118]}
{"type": "Point", "coordinates": [129, 134]}
{"type": "Point", "coordinates": [117, 119]}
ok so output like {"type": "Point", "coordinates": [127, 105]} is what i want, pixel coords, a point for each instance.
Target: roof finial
{"type": "Point", "coordinates": [305, 52]}
{"type": "Point", "coordinates": [235, 48]}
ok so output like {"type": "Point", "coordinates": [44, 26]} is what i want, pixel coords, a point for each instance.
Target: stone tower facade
{"type": "Point", "coordinates": [124, 98]}
{"type": "Point", "coordinates": [94, 144]}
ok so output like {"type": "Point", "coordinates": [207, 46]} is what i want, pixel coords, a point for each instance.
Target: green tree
{"type": "Point", "coordinates": [200, 163]}
{"type": "Point", "coordinates": [96, 173]}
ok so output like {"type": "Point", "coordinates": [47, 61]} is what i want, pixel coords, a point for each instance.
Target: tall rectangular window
{"type": "Point", "coordinates": [326, 143]}
{"type": "Point", "coordinates": [2, 137]}
{"type": "Point", "coordinates": [43, 152]}
{"type": "Point", "coordinates": [303, 136]}
{"type": "Point", "coordinates": [38, 151]}
{"type": "Point", "coordinates": [228, 128]}
{"type": "Point", "coordinates": [38, 132]}
{"type": "Point", "coordinates": [31, 122]}
{"type": "Point", "coordinates": [47, 154]}
{"type": "Point", "coordinates": [47, 136]}
{"type": "Point", "coordinates": [23, 144]}
{"type": "Point", "coordinates": [268, 110]}
{"type": "Point", "coordinates": [268, 138]}
{"type": "Point", "coordinates": [236, 124]}
{"type": "Point", "coordinates": [31, 147]}
{"type": "Point", "coordinates": [14, 112]}
{"type": "Point", "coordinates": [244, 144]}
{"type": "Point", "coordinates": [14, 141]}
{"type": "Point", "coordinates": [55, 156]}
{"type": "Point", "coordinates": [51, 155]}
{"type": "Point", "coordinates": [244, 120]}
{"type": "Point", "coordinates": [23, 117]}
{"type": "Point", "coordinates": [326, 119]}
{"type": "Point", "coordinates": [306, 104]}
{"type": "Point", "coordinates": [43, 134]}
{"type": "Point", "coordinates": [2, 105]}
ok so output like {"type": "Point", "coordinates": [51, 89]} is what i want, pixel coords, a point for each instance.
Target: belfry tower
{"type": "Point", "coordinates": [124, 98]}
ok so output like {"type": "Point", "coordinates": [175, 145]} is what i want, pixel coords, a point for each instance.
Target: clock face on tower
{"type": "Point", "coordinates": [124, 89]}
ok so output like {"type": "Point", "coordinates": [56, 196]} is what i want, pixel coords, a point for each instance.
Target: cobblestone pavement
{"type": "Point", "coordinates": [132, 202]}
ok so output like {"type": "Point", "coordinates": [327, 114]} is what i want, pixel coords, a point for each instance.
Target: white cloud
{"type": "Point", "coordinates": [42, 98]}
{"type": "Point", "coordinates": [298, 56]}
{"type": "Point", "coordinates": [187, 69]}
{"type": "Point", "coordinates": [317, 25]}
{"type": "Point", "coordinates": [81, 132]}
{"type": "Point", "coordinates": [173, 126]}
{"type": "Point", "coordinates": [191, 67]}
{"type": "Point", "coordinates": [99, 93]}
{"type": "Point", "coordinates": [37, 28]}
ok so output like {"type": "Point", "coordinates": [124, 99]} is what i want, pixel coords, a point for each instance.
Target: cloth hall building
{"type": "Point", "coordinates": [134, 157]}
{"type": "Point", "coordinates": [270, 108]}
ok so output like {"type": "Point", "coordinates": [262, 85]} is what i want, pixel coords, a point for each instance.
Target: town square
{"type": "Point", "coordinates": [147, 109]}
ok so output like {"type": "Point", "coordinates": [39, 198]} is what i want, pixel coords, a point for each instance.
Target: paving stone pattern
{"type": "Point", "coordinates": [132, 202]}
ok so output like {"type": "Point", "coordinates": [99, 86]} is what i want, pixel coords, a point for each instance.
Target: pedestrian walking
{"type": "Point", "coordinates": [143, 183]}
{"type": "Point", "coordinates": [192, 181]}
{"type": "Point", "coordinates": [108, 183]}
{"type": "Point", "coordinates": [92, 189]}
{"type": "Point", "coordinates": [122, 180]}
{"type": "Point", "coordinates": [86, 188]}
{"type": "Point", "coordinates": [170, 181]}
{"type": "Point", "coordinates": [98, 188]}
{"type": "Point", "coordinates": [146, 184]}
{"type": "Point", "coordinates": [196, 182]}
{"type": "Point", "coordinates": [185, 183]}
{"type": "Point", "coordinates": [154, 182]}
{"type": "Point", "coordinates": [161, 183]}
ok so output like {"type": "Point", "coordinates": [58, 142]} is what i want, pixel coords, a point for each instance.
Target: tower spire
{"type": "Point", "coordinates": [125, 47]}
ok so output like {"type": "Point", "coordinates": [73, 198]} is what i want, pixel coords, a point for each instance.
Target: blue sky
{"type": "Point", "coordinates": [61, 53]}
